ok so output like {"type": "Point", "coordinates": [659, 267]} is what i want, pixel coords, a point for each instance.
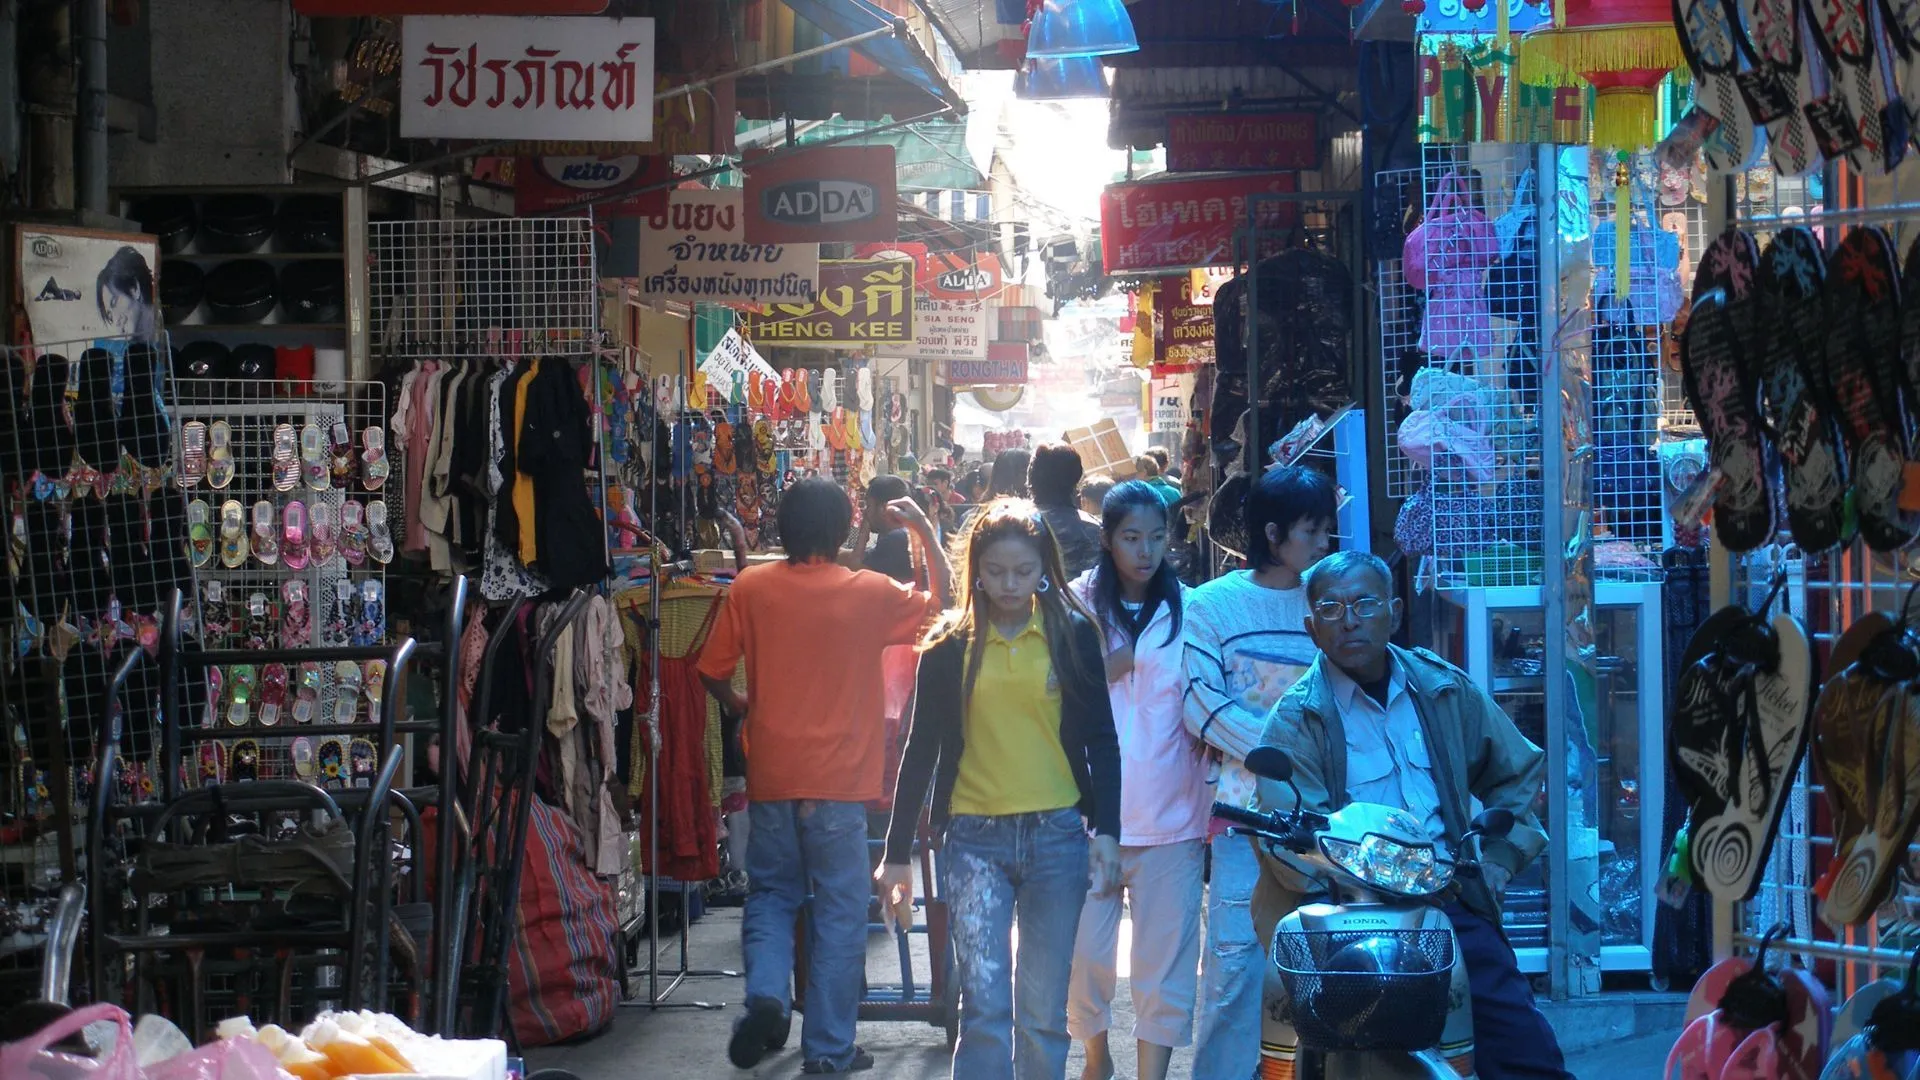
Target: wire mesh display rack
{"type": "Point", "coordinates": [1476, 399]}
{"type": "Point", "coordinates": [1400, 309]}
{"type": "Point", "coordinates": [281, 446]}
{"type": "Point", "coordinates": [95, 545]}
{"type": "Point", "coordinates": [513, 286]}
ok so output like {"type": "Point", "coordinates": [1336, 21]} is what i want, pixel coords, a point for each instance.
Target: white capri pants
{"type": "Point", "coordinates": [1164, 892]}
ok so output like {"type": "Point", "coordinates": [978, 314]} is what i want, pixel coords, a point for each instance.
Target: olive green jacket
{"type": "Point", "coordinates": [1475, 748]}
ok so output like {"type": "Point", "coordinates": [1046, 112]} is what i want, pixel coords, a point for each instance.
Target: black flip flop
{"type": "Point", "coordinates": [1792, 357]}
{"type": "Point", "coordinates": [1857, 92]}
{"type": "Point", "coordinates": [1778, 79]}
{"type": "Point", "coordinates": [1725, 401]}
{"type": "Point", "coordinates": [1863, 331]}
{"type": "Point", "coordinates": [1709, 41]}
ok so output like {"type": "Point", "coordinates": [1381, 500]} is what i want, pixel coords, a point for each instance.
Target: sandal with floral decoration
{"type": "Point", "coordinates": [339, 625]}
{"type": "Point", "coordinates": [219, 455]}
{"type": "Point", "coordinates": [273, 694]}
{"type": "Point", "coordinates": [216, 621]}
{"type": "Point", "coordinates": [332, 760]}
{"type": "Point", "coordinates": [313, 462]}
{"type": "Point", "coordinates": [266, 544]}
{"type": "Point", "coordinates": [374, 466]}
{"type": "Point", "coordinates": [293, 535]}
{"type": "Point", "coordinates": [233, 534]}
{"type": "Point", "coordinates": [763, 446]}
{"type": "Point", "coordinates": [199, 533]}
{"type": "Point", "coordinates": [340, 454]}
{"type": "Point", "coordinates": [262, 622]}
{"type": "Point", "coordinates": [296, 617]}
{"type": "Point", "coordinates": [362, 762]}
{"type": "Point", "coordinates": [354, 535]}
{"type": "Point", "coordinates": [246, 760]}
{"type": "Point", "coordinates": [372, 624]}
{"type": "Point", "coordinates": [213, 763]}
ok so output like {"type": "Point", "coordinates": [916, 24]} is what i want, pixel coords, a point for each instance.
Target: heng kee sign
{"type": "Point", "coordinates": [498, 77]}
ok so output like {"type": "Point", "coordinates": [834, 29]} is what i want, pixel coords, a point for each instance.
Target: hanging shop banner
{"type": "Point", "coordinates": [497, 77]}
{"type": "Point", "coordinates": [542, 185]}
{"type": "Point", "coordinates": [696, 249]}
{"type": "Point", "coordinates": [1468, 93]}
{"type": "Point", "coordinates": [1169, 397]}
{"type": "Point", "coordinates": [343, 8]}
{"type": "Point", "coordinates": [834, 193]}
{"type": "Point", "coordinates": [1186, 221]}
{"type": "Point", "coordinates": [82, 284]}
{"type": "Point", "coordinates": [944, 275]}
{"type": "Point", "coordinates": [731, 362]}
{"type": "Point", "coordinates": [1004, 365]}
{"type": "Point", "coordinates": [1242, 142]}
{"type": "Point", "coordinates": [861, 302]}
{"type": "Point", "coordinates": [371, 58]}
{"type": "Point", "coordinates": [1183, 324]}
{"type": "Point", "coordinates": [946, 330]}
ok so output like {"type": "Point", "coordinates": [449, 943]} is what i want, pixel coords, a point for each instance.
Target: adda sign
{"type": "Point", "coordinates": [835, 193]}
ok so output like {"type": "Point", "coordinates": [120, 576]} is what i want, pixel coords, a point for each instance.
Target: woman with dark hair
{"type": "Point", "coordinates": [1010, 474]}
{"type": "Point", "coordinates": [1013, 733]}
{"type": "Point", "coordinates": [1165, 803]}
{"type": "Point", "coordinates": [124, 294]}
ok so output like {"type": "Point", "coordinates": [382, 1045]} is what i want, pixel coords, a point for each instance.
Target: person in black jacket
{"type": "Point", "coordinates": [1013, 733]}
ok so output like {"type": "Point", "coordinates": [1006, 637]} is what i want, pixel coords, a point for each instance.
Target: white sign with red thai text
{"type": "Point", "coordinates": [500, 77]}
{"type": "Point", "coordinates": [945, 330]}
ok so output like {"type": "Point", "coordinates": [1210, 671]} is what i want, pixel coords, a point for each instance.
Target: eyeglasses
{"type": "Point", "coordinates": [1333, 611]}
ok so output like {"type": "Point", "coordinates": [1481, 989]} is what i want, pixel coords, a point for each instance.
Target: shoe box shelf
{"type": "Point", "coordinates": [277, 250]}
{"type": "Point", "coordinates": [1615, 732]}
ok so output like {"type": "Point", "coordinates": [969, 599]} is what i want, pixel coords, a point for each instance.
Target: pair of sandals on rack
{"type": "Point", "coordinates": [1812, 359]}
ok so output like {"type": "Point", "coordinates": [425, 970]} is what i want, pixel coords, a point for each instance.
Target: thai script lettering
{"type": "Point", "coordinates": [462, 76]}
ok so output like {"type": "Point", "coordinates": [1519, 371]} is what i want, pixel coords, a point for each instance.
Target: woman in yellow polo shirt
{"type": "Point", "coordinates": [1013, 733]}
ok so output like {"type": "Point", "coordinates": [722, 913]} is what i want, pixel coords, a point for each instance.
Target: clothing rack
{"type": "Point", "coordinates": [656, 997]}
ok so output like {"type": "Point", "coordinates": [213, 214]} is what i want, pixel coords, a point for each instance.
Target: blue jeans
{"type": "Point", "coordinates": [811, 853]}
{"type": "Point", "coordinates": [1031, 869]}
{"type": "Point", "coordinates": [1232, 968]}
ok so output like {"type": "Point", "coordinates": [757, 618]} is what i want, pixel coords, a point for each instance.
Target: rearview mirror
{"type": "Point", "coordinates": [1270, 763]}
{"type": "Point", "coordinates": [1495, 822]}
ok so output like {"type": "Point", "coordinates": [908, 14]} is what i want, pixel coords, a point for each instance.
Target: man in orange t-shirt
{"type": "Point", "coordinates": [812, 633]}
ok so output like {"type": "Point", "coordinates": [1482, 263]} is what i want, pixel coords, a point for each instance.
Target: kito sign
{"type": "Point", "coordinates": [835, 193]}
{"type": "Point", "coordinates": [497, 77]}
{"type": "Point", "coordinates": [542, 185]}
{"type": "Point", "coordinates": [861, 302]}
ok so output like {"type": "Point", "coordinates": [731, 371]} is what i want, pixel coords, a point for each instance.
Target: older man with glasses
{"type": "Point", "coordinates": [1372, 722]}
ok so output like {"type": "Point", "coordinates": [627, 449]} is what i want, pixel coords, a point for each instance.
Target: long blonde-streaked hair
{"type": "Point", "coordinates": [1004, 519]}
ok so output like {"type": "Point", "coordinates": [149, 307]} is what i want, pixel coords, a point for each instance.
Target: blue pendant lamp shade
{"type": "Point", "coordinates": [1060, 80]}
{"type": "Point", "coordinates": [1068, 28]}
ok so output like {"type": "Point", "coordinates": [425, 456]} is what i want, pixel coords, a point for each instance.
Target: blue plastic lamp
{"type": "Point", "coordinates": [1070, 28]}
{"type": "Point", "coordinates": [1060, 80]}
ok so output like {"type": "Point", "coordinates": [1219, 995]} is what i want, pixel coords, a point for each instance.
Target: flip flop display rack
{"type": "Point", "coordinates": [290, 531]}
{"type": "Point", "coordinates": [96, 543]}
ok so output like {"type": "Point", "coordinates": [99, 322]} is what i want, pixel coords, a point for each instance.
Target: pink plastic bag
{"type": "Point", "coordinates": [30, 1058]}
{"type": "Point", "coordinates": [228, 1059]}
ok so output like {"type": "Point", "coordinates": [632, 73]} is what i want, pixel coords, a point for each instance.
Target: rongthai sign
{"type": "Point", "coordinates": [695, 248]}
{"type": "Point", "coordinates": [861, 302]}
{"type": "Point", "coordinates": [499, 77]}
{"type": "Point", "coordinates": [1255, 142]}
{"type": "Point", "coordinates": [1187, 220]}
{"type": "Point", "coordinates": [1005, 366]}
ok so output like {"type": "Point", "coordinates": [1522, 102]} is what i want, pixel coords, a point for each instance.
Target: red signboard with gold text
{"type": "Point", "coordinates": [1186, 221]}
{"type": "Point", "coordinates": [861, 302]}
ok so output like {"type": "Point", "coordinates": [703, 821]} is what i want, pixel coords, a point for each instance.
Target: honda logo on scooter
{"type": "Point", "coordinates": [820, 202]}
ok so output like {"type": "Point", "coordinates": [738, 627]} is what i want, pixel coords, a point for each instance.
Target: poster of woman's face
{"type": "Point", "coordinates": [82, 284]}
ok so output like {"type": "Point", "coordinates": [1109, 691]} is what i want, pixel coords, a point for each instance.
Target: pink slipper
{"type": "Point", "coordinates": [320, 533]}
{"type": "Point", "coordinates": [293, 535]}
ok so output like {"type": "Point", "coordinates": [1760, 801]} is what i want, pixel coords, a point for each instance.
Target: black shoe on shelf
{"type": "Point", "coordinates": [754, 1032]}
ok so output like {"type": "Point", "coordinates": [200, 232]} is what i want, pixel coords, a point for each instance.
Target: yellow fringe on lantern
{"type": "Point", "coordinates": [1623, 118]}
{"type": "Point", "coordinates": [1562, 57]}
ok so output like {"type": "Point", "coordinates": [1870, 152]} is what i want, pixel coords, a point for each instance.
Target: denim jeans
{"type": "Point", "coordinates": [1024, 869]}
{"type": "Point", "coordinates": [1232, 968]}
{"type": "Point", "coordinates": [815, 854]}
{"type": "Point", "coordinates": [1510, 1038]}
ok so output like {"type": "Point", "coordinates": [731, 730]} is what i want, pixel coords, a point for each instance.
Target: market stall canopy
{"type": "Point", "coordinates": [986, 34]}
{"type": "Point", "coordinates": [891, 75]}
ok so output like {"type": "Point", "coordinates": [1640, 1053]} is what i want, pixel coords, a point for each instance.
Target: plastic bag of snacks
{"type": "Point", "coordinates": [35, 1058]}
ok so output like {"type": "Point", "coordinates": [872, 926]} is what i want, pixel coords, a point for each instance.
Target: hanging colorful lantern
{"type": "Point", "coordinates": [1623, 48]}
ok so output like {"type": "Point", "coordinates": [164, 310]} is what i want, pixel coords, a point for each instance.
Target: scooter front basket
{"type": "Point", "coordinates": [1359, 990]}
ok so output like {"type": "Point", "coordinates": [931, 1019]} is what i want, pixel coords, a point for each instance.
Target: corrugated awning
{"type": "Point", "coordinates": [911, 84]}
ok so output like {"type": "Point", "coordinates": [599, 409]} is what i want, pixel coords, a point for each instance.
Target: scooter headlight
{"type": "Point", "coordinates": [1385, 864]}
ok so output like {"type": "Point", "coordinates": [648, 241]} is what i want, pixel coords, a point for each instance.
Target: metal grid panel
{"type": "Point", "coordinates": [1480, 337]}
{"type": "Point", "coordinates": [508, 287]}
{"type": "Point", "coordinates": [89, 566]}
{"type": "Point", "coordinates": [254, 595]}
{"type": "Point", "coordinates": [1400, 310]}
